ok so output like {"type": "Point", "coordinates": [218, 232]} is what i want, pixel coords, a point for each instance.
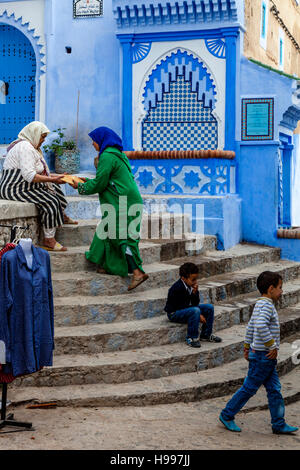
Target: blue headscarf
{"type": "Point", "coordinates": [105, 137]}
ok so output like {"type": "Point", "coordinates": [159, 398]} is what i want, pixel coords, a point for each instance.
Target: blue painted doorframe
{"type": "Point", "coordinates": [18, 77]}
{"type": "Point", "coordinates": [285, 176]}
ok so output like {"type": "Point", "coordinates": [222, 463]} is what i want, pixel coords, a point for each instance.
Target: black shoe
{"type": "Point", "coordinates": [193, 343]}
{"type": "Point", "coordinates": [211, 339]}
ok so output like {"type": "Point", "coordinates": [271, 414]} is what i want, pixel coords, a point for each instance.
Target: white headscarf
{"type": "Point", "coordinates": [33, 132]}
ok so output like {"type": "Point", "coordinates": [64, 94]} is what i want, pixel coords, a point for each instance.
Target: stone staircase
{"type": "Point", "coordinates": [117, 348]}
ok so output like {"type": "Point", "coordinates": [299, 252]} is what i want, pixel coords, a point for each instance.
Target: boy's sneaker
{"type": "Point", "coordinates": [194, 343]}
{"type": "Point", "coordinates": [211, 339]}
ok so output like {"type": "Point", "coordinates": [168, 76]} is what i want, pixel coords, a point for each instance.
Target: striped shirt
{"type": "Point", "coordinates": [263, 330]}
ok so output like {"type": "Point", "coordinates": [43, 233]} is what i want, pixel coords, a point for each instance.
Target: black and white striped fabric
{"type": "Point", "coordinates": [50, 204]}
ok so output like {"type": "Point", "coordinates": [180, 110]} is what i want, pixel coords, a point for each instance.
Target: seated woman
{"type": "Point", "coordinates": [115, 247]}
{"type": "Point", "coordinates": [26, 178]}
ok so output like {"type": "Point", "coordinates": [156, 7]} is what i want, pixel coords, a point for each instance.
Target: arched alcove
{"type": "Point", "coordinates": [179, 98]}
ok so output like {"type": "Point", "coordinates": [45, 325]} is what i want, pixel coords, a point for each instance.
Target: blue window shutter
{"type": "Point", "coordinates": [281, 52]}
{"type": "Point", "coordinates": [263, 23]}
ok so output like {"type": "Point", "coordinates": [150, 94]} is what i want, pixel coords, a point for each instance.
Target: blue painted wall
{"type": "Point", "coordinates": [93, 68]}
{"type": "Point", "coordinates": [258, 173]}
{"type": "Point", "coordinates": [257, 164]}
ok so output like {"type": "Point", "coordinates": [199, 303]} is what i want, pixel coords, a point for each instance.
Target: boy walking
{"type": "Point", "coordinates": [183, 307]}
{"type": "Point", "coordinates": [260, 349]}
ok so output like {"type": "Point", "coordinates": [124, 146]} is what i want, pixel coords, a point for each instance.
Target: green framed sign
{"type": "Point", "coordinates": [257, 118]}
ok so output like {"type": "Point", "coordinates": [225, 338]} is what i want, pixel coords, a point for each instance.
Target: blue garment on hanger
{"type": "Point", "coordinates": [26, 311]}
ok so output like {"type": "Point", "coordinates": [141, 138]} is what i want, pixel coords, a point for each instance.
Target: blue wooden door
{"type": "Point", "coordinates": [17, 82]}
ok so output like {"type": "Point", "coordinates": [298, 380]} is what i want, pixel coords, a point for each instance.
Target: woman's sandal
{"type": "Point", "coordinates": [69, 221]}
{"type": "Point", "coordinates": [57, 247]}
{"type": "Point", "coordinates": [136, 281]}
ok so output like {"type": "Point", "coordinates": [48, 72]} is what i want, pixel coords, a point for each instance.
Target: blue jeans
{"type": "Point", "coordinates": [191, 316]}
{"type": "Point", "coordinates": [262, 371]}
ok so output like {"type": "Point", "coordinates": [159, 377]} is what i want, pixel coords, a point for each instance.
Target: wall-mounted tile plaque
{"type": "Point", "coordinates": [87, 8]}
{"type": "Point", "coordinates": [257, 118]}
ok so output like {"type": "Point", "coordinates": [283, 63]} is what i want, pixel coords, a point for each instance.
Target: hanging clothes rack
{"type": "Point", "coordinates": [13, 231]}
{"type": "Point", "coordinates": [9, 420]}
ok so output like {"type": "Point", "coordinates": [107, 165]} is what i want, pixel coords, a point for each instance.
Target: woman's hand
{"type": "Point", "coordinates": [75, 183]}
{"type": "Point", "coordinates": [57, 179]}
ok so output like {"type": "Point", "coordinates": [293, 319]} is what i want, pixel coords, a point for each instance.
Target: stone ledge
{"type": "Point", "coordinates": [15, 210]}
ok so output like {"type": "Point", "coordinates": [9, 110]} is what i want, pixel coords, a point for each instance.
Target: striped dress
{"type": "Point", "coordinates": [263, 330]}
{"type": "Point", "coordinates": [49, 199]}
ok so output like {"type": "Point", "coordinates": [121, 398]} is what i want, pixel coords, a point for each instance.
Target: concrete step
{"type": "Point", "coordinates": [192, 386]}
{"type": "Point", "coordinates": [152, 251]}
{"type": "Point", "coordinates": [91, 310]}
{"type": "Point", "coordinates": [80, 207]}
{"type": "Point", "coordinates": [88, 207]}
{"type": "Point", "coordinates": [147, 362]}
{"type": "Point", "coordinates": [141, 364]}
{"type": "Point", "coordinates": [69, 279]}
{"type": "Point", "coordinates": [109, 300]}
{"type": "Point", "coordinates": [126, 335]}
{"type": "Point", "coordinates": [161, 226]}
{"type": "Point", "coordinates": [74, 259]}
{"type": "Point", "coordinates": [122, 336]}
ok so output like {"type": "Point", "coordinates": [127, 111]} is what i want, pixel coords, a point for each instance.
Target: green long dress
{"type": "Point", "coordinates": [117, 230]}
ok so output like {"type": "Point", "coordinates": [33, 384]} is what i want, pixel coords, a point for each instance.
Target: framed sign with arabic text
{"type": "Point", "coordinates": [257, 118]}
{"type": "Point", "coordinates": [87, 8]}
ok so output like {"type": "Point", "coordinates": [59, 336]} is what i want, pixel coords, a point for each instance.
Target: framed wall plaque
{"type": "Point", "coordinates": [257, 118]}
{"type": "Point", "coordinates": [87, 8]}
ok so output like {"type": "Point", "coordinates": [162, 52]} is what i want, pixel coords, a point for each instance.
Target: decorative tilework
{"type": "Point", "coordinates": [167, 71]}
{"type": "Point", "coordinates": [179, 136]}
{"type": "Point", "coordinates": [180, 104]}
{"type": "Point", "coordinates": [180, 121]}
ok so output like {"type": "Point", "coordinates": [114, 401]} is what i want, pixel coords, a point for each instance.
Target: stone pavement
{"type": "Point", "coordinates": [181, 426]}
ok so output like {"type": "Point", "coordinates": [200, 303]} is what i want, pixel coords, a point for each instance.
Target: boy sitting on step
{"type": "Point", "coordinates": [260, 349]}
{"type": "Point", "coordinates": [183, 307]}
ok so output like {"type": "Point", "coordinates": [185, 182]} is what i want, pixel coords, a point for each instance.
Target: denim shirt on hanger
{"type": "Point", "coordinates": [26, 311]}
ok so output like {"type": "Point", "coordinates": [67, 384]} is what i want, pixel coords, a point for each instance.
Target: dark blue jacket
{"type": "Point", "coordinates": [179, 298]}
{"type": "Point", "coordinates": [26, 311]}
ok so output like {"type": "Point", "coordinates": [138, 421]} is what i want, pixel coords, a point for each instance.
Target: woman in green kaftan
{"type": "Point", "coordinates": [115, 247]}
